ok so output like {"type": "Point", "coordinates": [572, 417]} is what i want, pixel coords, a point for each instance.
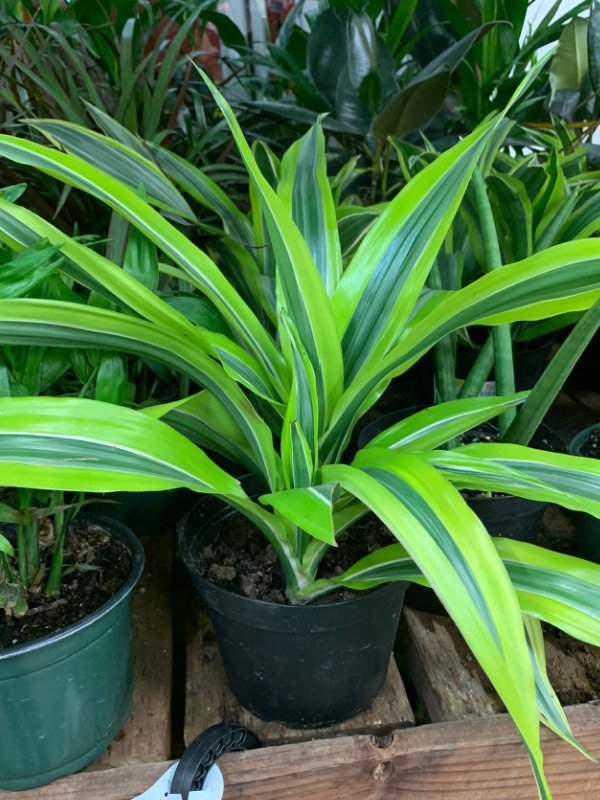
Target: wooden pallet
{"type": "Point", "coordinates": [474, 759]}
{"type": "Point", "coordinates": [470, 751]}
{"type": "Point", "coordinates": [142, 751]}
{"type": "Point", "coordinates": [209, 700]}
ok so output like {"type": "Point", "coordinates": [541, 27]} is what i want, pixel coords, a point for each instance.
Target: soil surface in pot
{"type": "Point", "coordinates": [591, 446]}
{"type": "Point", "coordinates": [95, 566]}
{"type": "Point", "coordinates": [479, 435]}
{"type": "Point", "coordinates": [240, 560]}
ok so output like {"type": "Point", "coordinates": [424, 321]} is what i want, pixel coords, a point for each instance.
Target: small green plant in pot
{"type": "Point", "coordinates": [65, 584]}
{"type": "Point", "coordinates": [291, 369]}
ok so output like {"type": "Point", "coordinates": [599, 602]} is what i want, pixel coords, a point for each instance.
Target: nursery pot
{"type": "Point", "coordinates": [64, 697]}
{"type": "Point", "coordinates": [588, 527]}
{"type": "Point", "coordinates": [504, 515]}
{"type": "Point", "coordinates": [305, 666]}
{"type": "Point", "coordinates": [146, 512]}
{"type": "Point", "coordinates": [529, 360]}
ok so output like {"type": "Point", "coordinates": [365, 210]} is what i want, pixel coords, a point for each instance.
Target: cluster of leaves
{"type": "Point", "coordinates": [293, 311]}
{"type": "Point", "coordinates": [299, 336]}
{"type": "Point", "coordinates": [531, 202]}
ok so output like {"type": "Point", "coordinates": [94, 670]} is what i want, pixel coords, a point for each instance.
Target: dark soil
{"type": "Point", "coordinates": [591, 446]}
{"type": "Point", "coordinates": [573, 667]}
{"type": "Point", "coordinates": [241, 561]}
{"type": "Point", "coordinates": [489, 434]}
{"type": "Point", "coordinates": [95, 567]}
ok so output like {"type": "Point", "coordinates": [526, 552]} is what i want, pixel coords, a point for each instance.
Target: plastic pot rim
{"type": "Point", "coordinates": [136, 553]}
{"type": "Point", "coordinates": [184, 544]}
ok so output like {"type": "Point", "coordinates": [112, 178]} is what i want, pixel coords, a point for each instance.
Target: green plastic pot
{"type": "Point", "coordinates": [63, 698]}
{"type": "Point", "coordinates": [588, 527]}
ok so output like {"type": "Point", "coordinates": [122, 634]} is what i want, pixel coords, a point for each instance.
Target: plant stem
{"type": "Point", "coordinates": [443, 353]}
{"type": "Point", "coordinates": [480, 370]}
{"type": "Point", "coordinates": [28, 555]}
{"type": "Point", "coordinates": [376, 172]}
{"type": "Point", "coordinates": [386, 171]}
{"type": "Point", "coordinates": [32, 546]}
{"type": "Point", "coordinates": [502, 342]}
{"type": "Point", "coordinates": [55, 574]}
{"type": "Point", "coordinates": [549, 385]}
{"type": "Point", "coordinates": [22, 556]}
{"type": "Point", "coordinates": [315, 589]}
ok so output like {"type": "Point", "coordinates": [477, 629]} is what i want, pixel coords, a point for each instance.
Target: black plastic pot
{"type": "Point", "coordinates": [588, 527]}
{"type": "Point", "coordinates": [529, 359]}
{"type": "Point", "coordinates": [145, 512]}
{"type": "Point", "coordinates": [63, 698]}
{"type": "Point", "coordinates": [305, 666]}
{"type": "Point", "coordinates": [505, 515]}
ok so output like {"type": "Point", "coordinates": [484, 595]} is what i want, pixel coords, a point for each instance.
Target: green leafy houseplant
{"type": "Point", "coordinates": [353, 66]}
{"type": "Point", "coordinates": [288, 372]}
{"type": "Point", "coordinates": [497, 64]}
{"type": "Point", "coordinates": [514, 208]}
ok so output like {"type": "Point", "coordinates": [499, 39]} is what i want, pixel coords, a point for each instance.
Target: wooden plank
{"type": "Point", "coordinates": [147, 735]}
{"type": "Point", "coordinates": [121, 783]}
{"type": "Point", "coordinates": [452, 685]}
{"type": "Point", "coordinates": [475, 759]}
{"type": "Point", "coordinates": [449, 682]}
{"type": "Point", "coordinates": [209, 700]}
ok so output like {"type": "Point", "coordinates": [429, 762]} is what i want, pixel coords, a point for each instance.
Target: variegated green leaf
{"type": "Point", "coordinates": [556, 588]}
{"type": "Point", "coordinates": [84, 445]}
{"type": "Point", "coordinates": [118, 160]}
{"type": "Point", "coordinates": [455, 553]}
{"type": "Point", "coordinates": [303, 291]}
{"type": "Point", "coordinates": [299, 436]}
{"type": "Point", "coordinates": [68, 325]}
{"type": "Point", "coordinates": [552, 713]}
{"type": "Point", "coordinates": [204, 420]}
{"type": "Point", "coordinates": [571, 481]}
{"type": "Point", "coordinates": [310, 508]}
{"type": "Point", "coordinates": [305, 189]}
{"type": "Point", "coordinates": [172, 241]}
{"type": "Point", "coordinates": [382, 282]}
{"type": "Point", "coordinates": [562, 278]}
{"type": "Point", "coordinates": [434, 426]}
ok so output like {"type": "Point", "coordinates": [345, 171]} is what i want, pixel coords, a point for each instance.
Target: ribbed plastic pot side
{"type": "Point", "coordinates": [63, 698]}
{"type": "Point", "coordinates": [305, 666]}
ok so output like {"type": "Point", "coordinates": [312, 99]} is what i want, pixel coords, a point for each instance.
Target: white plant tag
{"type": "Point", "coordinates": [161, 790]}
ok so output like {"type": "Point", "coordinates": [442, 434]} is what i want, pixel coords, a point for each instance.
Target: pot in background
{"type": "Point", "coordinates": [588, 527]}
{"type": "Point", "coordinates": [305, 666]}
{"type": "Point", "coordinates": [63, 698]}
{"type": "Point", "coordinates": [502, 515]}
{"type": "Point", "coordinates": [144, 512]}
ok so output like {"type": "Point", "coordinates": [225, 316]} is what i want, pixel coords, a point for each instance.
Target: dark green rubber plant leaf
{"type": "Point", "coordinates": [593, 43]}
{"type": "Point", "coordinates": [570, 64]}
{"type": "Point", "coordinates": [413, 107]}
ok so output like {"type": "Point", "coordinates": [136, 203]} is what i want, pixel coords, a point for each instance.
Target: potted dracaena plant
{"type": "Point", "coordinates": [286, 374]}
{"type": "Point", "coordinates": [518, 207]}
{"type": "Point", "coordinates": [65, 620]}
{"type": "Point", "coordinates": [65, 583]}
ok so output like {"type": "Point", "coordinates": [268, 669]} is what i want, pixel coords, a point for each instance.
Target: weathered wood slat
{"type": "Point", "coordinates": [209, 700]}
{"type": "Point", "coordinates": [449, 682]}
{"type": "Point", "coordinates": [475, 759]}
{"type": "Point", "coordinates": [147, 735]}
